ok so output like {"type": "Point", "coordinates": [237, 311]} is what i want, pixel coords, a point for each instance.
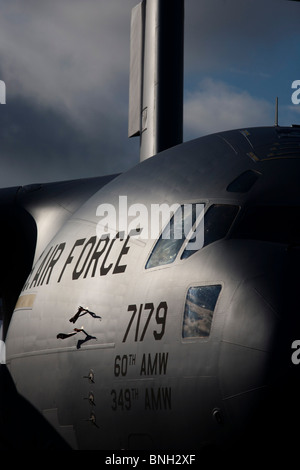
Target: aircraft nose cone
{"type": "Point", "coordinates": [257, 377]}
{"type": "Point", "coordinates": [247, 344]}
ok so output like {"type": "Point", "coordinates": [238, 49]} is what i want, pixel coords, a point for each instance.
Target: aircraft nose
{"type": "Point", "coordinates": [257, 377]}
{"type": "Point", "coordinates": [248, 337]}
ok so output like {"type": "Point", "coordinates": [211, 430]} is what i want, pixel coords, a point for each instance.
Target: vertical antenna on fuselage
{"type": "Point", "coordinates": [156, 75]}
{"type": "Point", "coordinates": [276, 112]}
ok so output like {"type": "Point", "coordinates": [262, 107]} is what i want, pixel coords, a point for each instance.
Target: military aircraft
{"type": "Point", "coordinates": [118, 339]}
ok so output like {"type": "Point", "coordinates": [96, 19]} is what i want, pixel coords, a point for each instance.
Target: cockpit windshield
{"type": "Point", "coordinates": [190, 229]}
{"type": "Point", "coordinates": [174, 235]}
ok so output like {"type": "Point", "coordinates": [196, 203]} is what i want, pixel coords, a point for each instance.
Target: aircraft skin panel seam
{"type": "Point", "coordinates": [73, 349]}
{"type": "Point", "coordinates": [243, 346]}
{"type": "Point", "coordinates": [244, 392]}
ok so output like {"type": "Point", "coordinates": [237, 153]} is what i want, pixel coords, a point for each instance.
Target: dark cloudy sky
{"type": "Point", "coordinates": [65, 64]}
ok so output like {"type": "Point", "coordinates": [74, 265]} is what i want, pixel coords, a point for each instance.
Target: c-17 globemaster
{"type": "Point", "coordinates": [116, 339]}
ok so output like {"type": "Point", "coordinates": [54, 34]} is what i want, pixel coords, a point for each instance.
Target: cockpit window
{"type": "Point", "coordinates": [199, 309]}
{"type": "Point", "coordinates": [174, 234]}
{"type": "Point", "coordinates": [279, 224]}
{"type": "Point", "coordinates": [217, 222]}
{"type": "Point", "coordinates": [190, 225]}
{"type": "Point", "coordinates": [243, 182]}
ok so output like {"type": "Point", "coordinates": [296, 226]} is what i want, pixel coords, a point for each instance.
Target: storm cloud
{"type": "Point", "coordinates": [66, 68]}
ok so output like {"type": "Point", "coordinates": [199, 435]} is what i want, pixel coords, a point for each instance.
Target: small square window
{"type": "Point", "coordinates": [199, 309]}
{"type": "Point", "coordinates": [243, 182]}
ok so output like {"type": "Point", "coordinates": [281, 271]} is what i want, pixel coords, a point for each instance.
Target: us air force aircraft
{"type": "Point", "coordinates": [116, 339]}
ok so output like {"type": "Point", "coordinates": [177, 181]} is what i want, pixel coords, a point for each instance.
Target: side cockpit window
{"type": "Point", "coordinates": [199, 309]}
{"type": "Point", "coordinates": [277, 224]}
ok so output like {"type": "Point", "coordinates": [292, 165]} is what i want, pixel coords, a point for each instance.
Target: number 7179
{"type": "Point", "coordinates": [138, 324]}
